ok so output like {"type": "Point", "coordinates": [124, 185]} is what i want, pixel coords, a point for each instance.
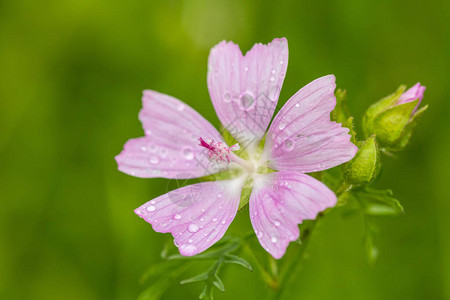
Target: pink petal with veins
{"type": "Point", "coordinates": [302, 137]}
{"type": "Point", "coordinates": [244, 89]}
{"type": "Point", "coordinates": [197, 215]}
{"type": "Point", "coordinates": [170, 148]}
{"type": "Point", "coordinates": [280, 201]}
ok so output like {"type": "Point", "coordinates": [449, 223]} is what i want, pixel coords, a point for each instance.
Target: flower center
{"type": "Point", "coordinates": [218, 151]}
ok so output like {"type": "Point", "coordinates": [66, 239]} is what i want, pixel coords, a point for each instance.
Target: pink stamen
{"type": "Point", "coordinates": [218, 151]}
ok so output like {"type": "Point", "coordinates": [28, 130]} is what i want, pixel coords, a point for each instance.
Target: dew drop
{"type": "Point", "coordinates": [289, 144]}
{"type": "Point", "coordinates": [180, 107]}
{"type": "Point", "coordinates": [175, 243]}
{"type": "Point", "coordinates": [202, 219]}
{"type": "Point", "coordinates": [321, 165]}
{"type": "Point", "coordinates": [148, 132]}
{"type": "Point", "coordinates": [214, 219]}
{"type": "Point", "coordinates": [177, 217]}
{"type": "Point", "coordinates": [277, 223]}
{"type": "Point", "coordinates": [297, 105]}
{"type": "Point", "coordinates": [246, 69]}
{"type": "Point", "coordinates": [154, 160]}
{"type": "Point", "coordinates": [223, 222]}
{"type": "Point", "coordinates": [273, 71]}
{"type": "Point", "coordinates": [246, 101]}
{"type": "Point", "coordinates": [227, 97]}
{"type": "Point", "coordinates": [151, 208]}
{"type": "Point", "coordinates": [281, 62]}
{"type": "Point", "coordinates": [281, 126]}
{"type": "Point", "coordinates": [272, 78]}
{"type": "Point", "coordinates": [188, 153]}
{"type": "Point", "coordinates": [190, 240]}
{"type": "Point", "coordinates": [273, 93]}
{"type": "Point", "coordinates": [143, 149]}
{"type": "Point", "coordinates": [274, 239]}
{"type": "Point", "coordinates": [153, 202]}
{"type": "Point", "coordinates": [153, 148]}
{"type": "Point", "coordinates": [163, 152]}
{"type": "Point", "coordinates": [193, 228]}
{"type": "Point", "coordinates": [188, 249]}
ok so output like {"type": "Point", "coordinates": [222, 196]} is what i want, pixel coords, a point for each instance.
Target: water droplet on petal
{"type": "Point", "coordinates": [151, 208]}
{"type": "Point", "coordinates": [202, 219]}
{"type": "Point", "coordinates": [180, 107]}
{"type": "Point", "coordinates": [274, 239]}
{"type": "Point", "coordinates": [297, 105]}
{"type": "Point", "coordinates": [143, 149]}
{"type": "Point", "coordinates": [153, 202]}
{"type": "Point", "coordinates": [153, 148]}
{"type": "Point", "coordinates": [281, 126]}
{"type": "Point", "coordinates": [188, 249]}
{"type": "Point", "coordinates": [175, 243]}
{"type": "Point", "coordinates": [321, 165]}
{"type": "Point", "coordinates": [273, 93]}
{"type": "Point", "coordinates": [281, 62]}
{"type": "Point", "coordinates": [154, 160]}
{"type": "Point", "coordinates": [163, 152]}
{"type": "Point", "coordinates": [277, 223]}
{"type": "Point", "coordinates": [214, 219]}
{"type": "Point", "coordinates": [223, 222]}
{"type": "Point", "coordinates": [246, 69]}
{"type": "Point", "coordinates": [289, 144]}
{"type": "Point", "coordinates": [190, 240]}
{"type": "Point", "coordinates": [193, 228]}
{"type": "Point", "coordinates": [177, 217]}
{"type": "Point", "coordinates": [246, 101]}
{"type": "Point", "coordinates": [227, 97]}
{"type": "Point", "coordinates": [148, 132]}
{"type": "Point", "coordinates": [274, 71]}
{"type": "Point", "coordinates": [272, 78]}
{"type": "Point", "coordinates": [188, 153]}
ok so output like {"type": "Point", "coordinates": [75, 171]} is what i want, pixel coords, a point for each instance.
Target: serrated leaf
{"type": "Point", "coordinates": [378, 209]}
{"type": "Point", "coordinates": [196, 278]}
{"type": "Point", "coordinates": [233, 259]}
{"type": "Point", "coordinates": [156, 290]}
{"type": "Point", "coordinates": [384, 196]}
{"type": "Point", "coordinates": [219, 284]}
{"type": "Point", "coordinates": [159, 268]}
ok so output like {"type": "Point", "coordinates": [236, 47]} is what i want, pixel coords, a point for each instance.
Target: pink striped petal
{"type": "Point", "coordinates": [197, 215]}
{"type": "Point", "coordinates": [280, 201]}
{"type": "Point", "coordinates": [302, 137]}
{"type": "Point", "coordinates": [244, 89]}
{"type": "Point", "coordinates": [170, 148]}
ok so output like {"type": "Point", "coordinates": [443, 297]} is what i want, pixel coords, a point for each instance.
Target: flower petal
{"type": "Point", "coordinates": [244, 89]}
{"type": "Point", "coordinates": [170, 148]}
{"type": "Point", "coordinates": [197, 215]}
{"type": "Point", "coordinates": [280, 201]}
{"type": "Point", "coordinates": [302, 137]}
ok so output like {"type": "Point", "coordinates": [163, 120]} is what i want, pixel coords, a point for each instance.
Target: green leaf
{"type": "Point", "coordinates": [200, 277]}
{"type": "Point", "coordinates": [378, 209]}
{"type": "Point", "coordinates": [383, 196]}
{"type": "Point", "coordinates": [233, 259]}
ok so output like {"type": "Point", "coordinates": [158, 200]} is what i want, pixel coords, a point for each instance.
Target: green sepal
{"type": "Point", "coordinates": [340, 113]}
{"type": "Point", "coordinates": [375, 109]}
{"type": "Point", "coordinates": [365, 166]}
{"type": "Point", "coordinates": [389, 126]}
{"type": "Point", "coordinates": [233, 259]}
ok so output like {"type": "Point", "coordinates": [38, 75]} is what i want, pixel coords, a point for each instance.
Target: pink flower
{"type": "Point", "coordinates": [414, 93]}
{"type": "Point", "coordinates": [179, 143]}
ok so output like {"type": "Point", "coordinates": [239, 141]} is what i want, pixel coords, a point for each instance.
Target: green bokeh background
{"type": "Point", "coordinates": [71, 77]}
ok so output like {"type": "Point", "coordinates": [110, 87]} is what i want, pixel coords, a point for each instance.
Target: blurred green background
{"type": "Point", "coordinates": [71, 77]}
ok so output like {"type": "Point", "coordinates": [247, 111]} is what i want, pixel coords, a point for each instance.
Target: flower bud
{"type": "Point", "coordinates": [393, 118]}
{"type": "Point", "coordinates": [365, 166]}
